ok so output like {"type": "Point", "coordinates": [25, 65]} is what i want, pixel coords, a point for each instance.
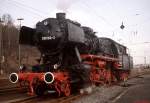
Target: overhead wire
{"type": "Point", "coordinates": [96, 14]}
{"type": "Point", "coordinates": [26, 9]}
{"type": "Point", "coordinates": [101, 19]}
{"type": "Point", "coordinates": [139, 24]}
{"type": "Point", "coordinates": [34, 9]}
{"type": "Point", "coordinates": [90, 12]}
{"type": "Point", "coordinates": [140, 43]}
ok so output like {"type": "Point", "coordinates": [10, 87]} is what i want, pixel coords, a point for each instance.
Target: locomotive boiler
{"type": "Point", "coordinates": [71, 56]}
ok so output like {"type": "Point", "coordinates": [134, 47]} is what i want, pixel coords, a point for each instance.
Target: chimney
{"type": "Point", "coordinates": [61, 16]}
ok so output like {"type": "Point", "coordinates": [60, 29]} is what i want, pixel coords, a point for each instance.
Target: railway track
{"type": "Point", "coordinates": [35, 99]}
{"type": "Point", "coordinates": [8, 89]}
{"type": "Point", "coordinates": [12, 90]}
{"type": "Point", "coordinates": [47, 98]}
{"type": "Point", "coordinates": [23, 100]}
{"type": "Point", "coordinates": [69, 100]}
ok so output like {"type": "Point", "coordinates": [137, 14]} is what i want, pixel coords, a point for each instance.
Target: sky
{"type": "Point", "coordinates": [104, 16]}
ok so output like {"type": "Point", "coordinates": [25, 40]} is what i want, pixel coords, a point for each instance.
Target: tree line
{"type": "Point", "coordinates": [9, 47]}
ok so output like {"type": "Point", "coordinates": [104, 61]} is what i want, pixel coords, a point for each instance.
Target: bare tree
{"type": "Point", "coordinates": [9, 40]}
{"type": "Point", "coordinates": [7, 19]}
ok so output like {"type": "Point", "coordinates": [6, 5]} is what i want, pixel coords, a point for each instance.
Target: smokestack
{"type": "Point", "coordinates": [61, 16]}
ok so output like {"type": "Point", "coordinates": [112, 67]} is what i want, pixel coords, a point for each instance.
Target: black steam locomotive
{"type": "Point", "coordinates": [68, 47]}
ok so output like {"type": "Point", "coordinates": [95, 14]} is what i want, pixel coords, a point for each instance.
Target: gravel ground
{"type": "Point", "coordinates": [138, 93]}
{"type": "Point", "coordinates": [101, 95]}
{"type": "Point", "coordinates": [105, 94]}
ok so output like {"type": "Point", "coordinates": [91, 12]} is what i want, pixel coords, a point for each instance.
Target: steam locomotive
{"type": "Point", "coordinates": [72, 56]}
